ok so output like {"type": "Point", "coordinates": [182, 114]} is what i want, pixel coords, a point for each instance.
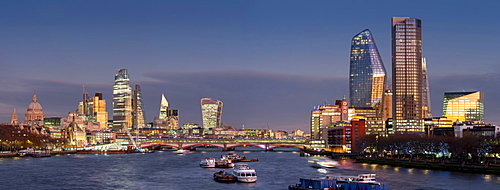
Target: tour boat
{"type": "Point", "coordinates": [361, 178]}
{"type": "Point", "coordinates": [224, 164]}
{"type": "Point", "coordinates": [235, 158]}
{"type": "Point", "coordinates": [222, 176]}
{"type": "Point", "coordinates": [182, 151]}
{"type": "Point", "coordinates": [245, 173]}
{"type": "Point", "coordinates": [208, 163]}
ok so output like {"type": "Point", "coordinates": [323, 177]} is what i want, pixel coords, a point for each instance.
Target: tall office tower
{"type": "Point", "coordinates": [367, 76]}
{"type": "Point", "coordinates": [173, 119]}
{"type": "Point", "coordinates": [211, 111]}
{"type": "Point", "coordinates": [100, 113]}
{"type": "Point", "coordinates": [138, 112]}
{"type": "Point", "coordinates": [426, 97]}
{"type": "Point", "coordinates": [163, 108]}
{"type": "Point", "coordinates": [85, 108]}
{"type": "Point", "coordinates": [407, 75]}
{"type": "Point", "coordinates": [122, 101]}
{"type": "Point", "coordinates": [464, 106]}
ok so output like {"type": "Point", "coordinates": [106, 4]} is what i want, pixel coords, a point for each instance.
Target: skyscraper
{"type": "Point", "coordinates": [138, 106]}
{"type": "Point", "coordinates": [100, 113]}
{"type": "Point", "coordinates": [367, 76]}
{"type": "Point", "coordinates": [211, 111]}
{"type": "Point", "coordinates": [163, 108]}
{"type": "Point", "coordinates": [407, 74]}
{"type": "Point", "coordinates": [464, 106]}
{"type": "Point", "coordinates": [426, 97]}
{"type": "Point", "coordinates": [122, 101]}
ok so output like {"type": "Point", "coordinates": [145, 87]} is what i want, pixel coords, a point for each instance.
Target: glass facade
{"type": "Point", "coordinates": [138, 104]}
{"type": "Point", "coordinates": [122, 101]}
{"type": "Point", "coordinates": [464, 106]}
{"type": "Point", "coordinates": [426, 97]}
{"type": "Point", "coordinates": [407, 82]}
{"type": "Point", "coordinates": [211, 111]}
{"type": "Point", "coordinates": [367, 77]}
{"type": "Point", "coordinates": [163, 108]}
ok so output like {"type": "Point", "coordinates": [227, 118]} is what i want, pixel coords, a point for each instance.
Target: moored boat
{"type": "Point", "coordinates": [362, 181]}
{"type": "Point", "coordinates": [245, 173]}
{"type": "Point", "coordinates": [235, 158]}
{"type": "Point", "coordinates": [224, 164]}
{"type": "Point", "coordinates": [207, 163]}
{"type": "Point", "coordinates": [222, 176]}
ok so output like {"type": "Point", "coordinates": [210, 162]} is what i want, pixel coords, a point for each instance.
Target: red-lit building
{"type": "Point", "coordinates": [346, 136]}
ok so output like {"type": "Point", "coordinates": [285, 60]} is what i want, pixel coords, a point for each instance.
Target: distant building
{"type": "Point", "coordinates": [14, 119]}
{"type": "Point", "coordinates": [483, 130]}
{"type": "Point", "coordinates": [138, 113]}
{"type": "Point", "coordinates": [464, 106]}
{"type": "Point", "coordinates": [323, 116]}
{"type": "Point", "coordinates": [34, 115]}
{"type": "Point", "coordinates": [168, 118]}
{"type": "Point", "coordinates": [426, 96]}
{"type": "Point", "coordinates": [367, 76]}
{"type": "Point", "coordinates": [99, 111]}
{"type": "Point", "coordinates": [122, 101]}
{"type": "Point", "coordinates": [407, 72]}
{"type": "Point", "coordinates": [440, 126]}
{"type": "Point", "coordinates": [211, 111]}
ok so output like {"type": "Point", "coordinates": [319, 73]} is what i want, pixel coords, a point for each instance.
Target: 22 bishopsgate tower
{"type": "Point", "coordinates": [407, 75]}
{"type": "Point", "coordinates": [367, 75]}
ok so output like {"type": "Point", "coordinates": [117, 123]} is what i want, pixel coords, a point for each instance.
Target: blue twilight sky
{"type": "Point", "coordinates": [270, 62]}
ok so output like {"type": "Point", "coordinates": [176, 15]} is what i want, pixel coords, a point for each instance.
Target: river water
{"type": "Point", "coordinates": [167, 170]}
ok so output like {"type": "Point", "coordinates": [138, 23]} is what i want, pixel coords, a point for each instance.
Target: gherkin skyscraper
{"type": "Point", "coordinates": [367, 76]}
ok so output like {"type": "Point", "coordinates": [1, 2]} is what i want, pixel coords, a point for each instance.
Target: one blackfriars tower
{"type": "Point", "coordinates": [367, 75]}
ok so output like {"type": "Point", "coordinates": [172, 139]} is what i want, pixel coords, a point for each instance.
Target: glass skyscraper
{"type": "Point", "coordinates": [367, 77]}
{"type": "Point", "coordinates": [163, 108]}
{"type": "Point", "coordinates": [407, 80]}
{"type": "Point", "coordinates": [464, 106]}
{"type": "Point", "coordinates": [138, 105]}
{"type": "Point", "coordinates": [211, 111]}
{"type": "Point", "coordinates": [122, 101]}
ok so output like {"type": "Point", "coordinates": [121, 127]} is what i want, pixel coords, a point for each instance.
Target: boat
{"type": "Point", "coordinates": [245, 173]}
{"type": "Point", "coordinates": [224, 164]}
{"type": "Point", "coordinates": [222, 176]}
{"type": "Point", "coordinates": [323, 163]}
{"type": "Point", "coordinates": [208, 163]}
{"type": "Point", "coordinates": [182, 151]}
{"type": "Point", "coordinates": [41, 154]}
{"type": "Point", "coordinates": [235, 158]}
{"type": "Point", "coordinates": [362, 181]}
{"type": "Point", "coordinates": [361, 178]}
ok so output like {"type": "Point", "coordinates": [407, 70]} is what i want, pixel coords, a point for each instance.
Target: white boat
{"type": "Point", "coordinates": [361, 178]}
{"type": "Point", "coordinates": [245, 173]}
{"type": "Point", "coordinates": [208, 163]}
{"type": "Point", "coordinates": [323, 163]}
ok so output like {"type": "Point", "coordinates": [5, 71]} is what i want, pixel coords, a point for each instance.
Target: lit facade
{"type": "Point", "coordinates": [99, 110]}
{"type": "Point", "coordinates": [138, 106]}
{"type": "Point", "coordinates": [426, 96]}
{"type": "Point", "coordinates": [464, 106]}
{"type": "Point", "coordinates": [367, 76]}
{"type": "Point", "coordinates": [323, 116]}
{"type": "Point", "coordinates": [34, 114]}
{"type": "Point", "coordinates": [163, 108]}
{"type": "Point", "coordinates": [122, 101]}
{"type": "Point", "coordinates": [407, 85]}
{"type": "Point", "coordinates": [211, 111]}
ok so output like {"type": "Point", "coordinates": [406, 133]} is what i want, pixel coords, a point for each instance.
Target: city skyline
{"type": "Point", "coordinates": [269, 62]}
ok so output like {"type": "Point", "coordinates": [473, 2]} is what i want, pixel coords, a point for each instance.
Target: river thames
{"type": "Point", "coordinates": [170, 171]}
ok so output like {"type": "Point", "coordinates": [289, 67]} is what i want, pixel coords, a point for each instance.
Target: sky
{"type": "Point", "coordinates": [270, 62]}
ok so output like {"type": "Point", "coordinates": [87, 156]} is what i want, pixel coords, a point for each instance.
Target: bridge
{"type": "Point", "coordinates": [224, 144]}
